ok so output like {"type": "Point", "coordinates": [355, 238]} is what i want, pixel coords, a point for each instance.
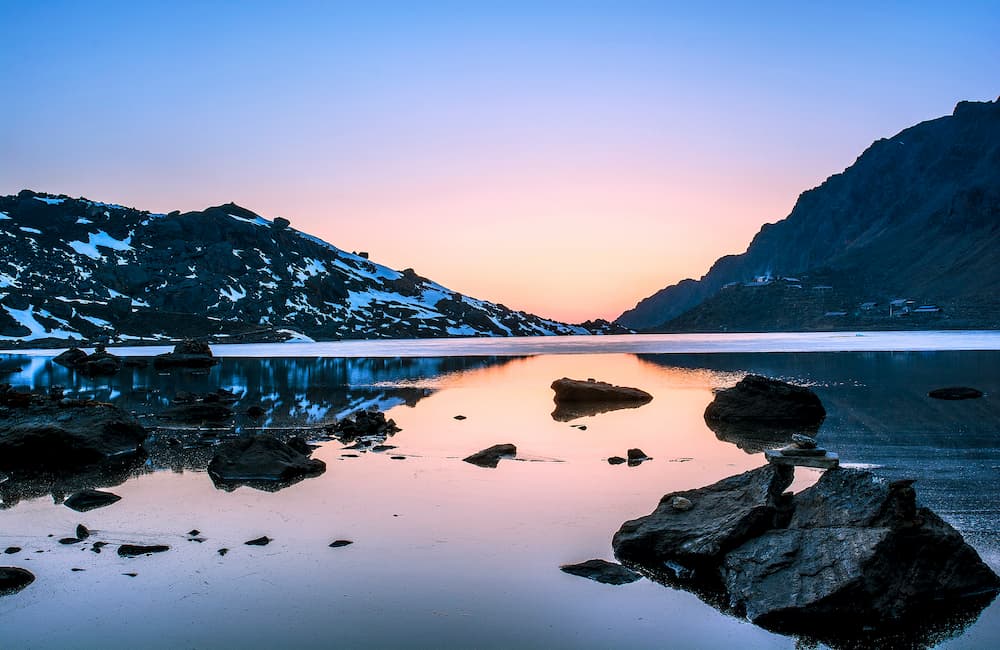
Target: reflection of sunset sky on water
{"type": "Point", "coordinates": [445, 551]}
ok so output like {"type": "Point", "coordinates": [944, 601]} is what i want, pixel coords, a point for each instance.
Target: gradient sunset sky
{"type": "Point", "coordinates": [567, 159]}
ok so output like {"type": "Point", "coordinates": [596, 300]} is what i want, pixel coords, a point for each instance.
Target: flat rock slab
{"type": "Point", "coordinates": [135, 550]}
{"type": "Point", "coordinates": [264, 540]}
{"type": "Point", "coordinates": [828, 460]}
{"type": "Point", "coordinates": [13, 579]}
{"type": "Point", "coordinates": [490, 457]}
{"type": "Point", "coordinates": [576, 398]}
{"type": "Point", "coordinates": [85, 500]}
{"type": "Point", "coordinates": [603, 571]}
{"type": "Point", "coordinates": [716, 518]}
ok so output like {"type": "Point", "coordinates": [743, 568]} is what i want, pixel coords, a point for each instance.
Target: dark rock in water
{"type": "Point", "coordinates": [850, 555]}
{"type": "Point", "coordinates": [460, 417]}
{"type": "Point", "coordinates": [82, 531]}
{"type": "Point", "coordinates": [602, 571]}
{"type": "Point", "coordinates": [10, 550]}
{"type": "Point", "coordinates": [490, 457]}
{"type": "Point", "coordinates": [637, 457]}
{"type": "Point", "coordinates": [340, 542]}
{"type": "Point", "coordinates": [255, 411]}
{"type": "Point", "coordinates": [616, 460]}
{"type": "Point", "coordinates": [13, 579]}
{"type": "Point", "coordinates": [134, 550]}
{"type": "Point", "coordinates": [803, 458]}
{"type": "Point", "coordinates": [576, 398]}
{"type": "Point", "coordinates": [767, 401]}
{"type": "Point", "coordinates": [130, 574]}
{"type": "Point", "coordinates": [85, 500]}
{"type": "Point", "coordinates": [69, 433]}
{"type": "Point", "coordinates": [367, 423]}
{"type": "Point", "coordinates": [724, 515]}
{"type": "Point", "coordinates": [260, 541]}
{"type": "Point", "coordinates": [97, 546]}
{"type": "Point", "coordinates": [260, 460]}
{"type": "Point", "coordinates": [300, 445]}
{"type": "Point", "coordinates": [70, 358]}
{"type": "Point", "coordinates": [222, 551]}
{"type": "Point", "coordinates": [70, 540]}
{"type": "Point", "coordinates": [955, 393]}
{"type": "Point", "coordinates": [194, 532]}
{"type": "Point", "coordinates": [9, 367]}
{"type": "Point", "coordinates": [187, 354]}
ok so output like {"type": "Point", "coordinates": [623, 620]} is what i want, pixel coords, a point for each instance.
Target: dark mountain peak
{"type": "Point", "coordinates": [75, 269]}
{"type": "Point", "coordinates": [916, 214]}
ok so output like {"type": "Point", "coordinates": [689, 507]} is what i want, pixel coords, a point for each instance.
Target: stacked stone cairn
{"type": "Point", "coordinates": [803, 452]}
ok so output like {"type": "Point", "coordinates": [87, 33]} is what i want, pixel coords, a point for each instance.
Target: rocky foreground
{"type": "Point", "coordinates": [851, 552]}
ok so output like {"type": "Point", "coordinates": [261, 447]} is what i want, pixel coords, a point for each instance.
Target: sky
{"type": "Point", "coordinates": [564, 158]}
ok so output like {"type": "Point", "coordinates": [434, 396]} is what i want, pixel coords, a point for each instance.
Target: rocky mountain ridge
{"type": "Point", "coordinates": [916, 218]}
{"type": "Point", "coordinates": [79, 270]}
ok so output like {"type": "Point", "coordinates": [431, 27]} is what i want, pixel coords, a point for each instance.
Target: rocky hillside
{"type": "Point", "coordinates": [79, 269]}
{"type": "Point", "coordinates": [915, 219]}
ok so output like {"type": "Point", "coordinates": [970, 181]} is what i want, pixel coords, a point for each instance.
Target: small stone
{"type": "Point", "coordinates": [681, 503]}
{"type": "Point", "coordinates": [131, 575]}
{"type": "Point", "coordinates": [260, 541]}
{"type": "Point", "coordinates": [10, 550]}
{"type": "Point", "coordinates": [460, 417]}
{"type": "Point", "coordinates": [637, 454]}
{"type": "Point", "coordinates": [803, 442]}
{"type": "Point", "coordinates": [194, 532]}
{"type": "Point", "coordinates": [397, 457]}
{"type": "Point", "coordinates": [223, 551]}
{"type": "Point", "coordinates": [602, 571]}
{"type": "Point", "coordinates": [490, 457]}
{"type": "Point", "coordinates": [340, 542]}
{"type": "Point", "coordinates": [616, 460]}
{"type": "Point", "coordinates": [70, 540]}
{"type": "Point", "coordinates": [77, 569]}
{"type": "Point", "coordinates": [955, 393]}
{"type": "Point", "coordinates": [82, 532]}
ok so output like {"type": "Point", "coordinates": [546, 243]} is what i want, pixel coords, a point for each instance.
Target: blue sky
{"type": "Point", "coordinates": [611, 148]}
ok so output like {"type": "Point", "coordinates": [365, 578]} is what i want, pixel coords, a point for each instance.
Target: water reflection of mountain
{"type": "Point", "coordinates": [297, 395]}
{"type": "Point", "coordinates": [878, 412]}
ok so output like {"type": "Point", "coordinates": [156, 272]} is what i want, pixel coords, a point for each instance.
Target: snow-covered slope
{"type": "Point", "coordinates": [78, 269]}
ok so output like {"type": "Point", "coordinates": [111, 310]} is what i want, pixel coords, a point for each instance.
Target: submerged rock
{"type": "Point", "coordinates": [490, 457]}
{"type": "Point", "coordinates": [187, 354]}
{"type": "Point", "coordinates": [851, 554]}
{"type": "Point", "coordinates": [602, 571]}
{"type": "Point", "coordinates": [13, 579]}
{"type": "Point", "coordinates": [955, 393]}
{"type": "Point", "coordinates": [260, 460]}
{"type": "Point", "coordinates": [575, 398]}
{"type": "Point", "coordinates": [85, 500]}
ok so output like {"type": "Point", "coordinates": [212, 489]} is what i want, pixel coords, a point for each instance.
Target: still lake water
{"type": "Point", "coordinates": [448, 554]}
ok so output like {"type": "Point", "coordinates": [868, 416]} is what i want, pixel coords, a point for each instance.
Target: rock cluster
{"type": "Point", "coordinates": [803, 452]}
{"type": "Point", "coordinates": [263, 462]}
{"type": "Point", "coordinates": [99, 364]}
{"type": "Point", "coordinates": [189, 353]}
{"type": "Point", "coordinates": [852, 551]}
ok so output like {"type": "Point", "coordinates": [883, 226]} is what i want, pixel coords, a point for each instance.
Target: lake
{"type": "Point", "coordinates": [448, 554]}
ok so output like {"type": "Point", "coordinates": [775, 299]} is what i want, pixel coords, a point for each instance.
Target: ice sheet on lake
{"type": "Point", "coordinates": [610, 344]}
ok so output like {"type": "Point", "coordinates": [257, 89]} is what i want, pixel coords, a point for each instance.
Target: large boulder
{"type": "Point", "coordinates": [99, 364]}
{"type": "Point", "coordinates": [576, 398]}
{"type": "Point", "coordinates": [262, 462]}
{"type": "Point", "coordinates": [13, 579]}
{"type": "Point", "coordinates": [44, 433]}
{"type": "Point", "coordinates": [189, 353]}
{"type": "Point", "coordinates": [691, 530]}
{"type": "Point", "coordinates": [851, 555]}
{"type": "Point", "coordinates": [762, 400]}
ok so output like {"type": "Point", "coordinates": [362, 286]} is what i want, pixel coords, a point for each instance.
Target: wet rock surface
{"type": "Point", "coordinates": [135, 550]}
{"type": "Point", "coordinates": [576, 398]}
{"type": "Point", "coordinates": [603, 571]}
{"type": "Point", "coordinates": [14, 579]}
{"type": "Point", "coordinates": [263, 462]}
{"type": "Point", "coordinates": [491, 456]}
{"type": "Point", "coordinates": [851, 553]}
